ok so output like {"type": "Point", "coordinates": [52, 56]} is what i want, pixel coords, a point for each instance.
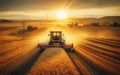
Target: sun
{"type": "Point", "coordinates": [61, 14]}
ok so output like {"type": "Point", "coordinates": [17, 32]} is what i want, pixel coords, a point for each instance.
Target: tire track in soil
{"type": "Point", "coordinates": [80, 64]}
{"type": "Point", "coordinates": [99, 70]}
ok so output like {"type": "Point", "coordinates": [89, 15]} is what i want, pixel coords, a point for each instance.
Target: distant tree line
{"type": "Point", "coordinates": [73, 24]}
{"type": "Point", "coordinates": [95, 24]}
{"type": "Point", "coordinates": [114, 24]}
{"type": "Point", "coordinates": [2, 20]}
{"type": "Point", "coordinates": [31, 28]}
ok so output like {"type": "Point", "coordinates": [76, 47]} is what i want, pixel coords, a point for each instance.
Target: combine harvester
{"type": "Point", "coordinates": [56, 40]}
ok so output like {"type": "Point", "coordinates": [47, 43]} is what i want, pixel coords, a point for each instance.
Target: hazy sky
{"type": "Point", "coordinates": [39, 9]}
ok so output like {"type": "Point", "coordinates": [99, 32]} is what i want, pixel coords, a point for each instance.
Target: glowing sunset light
{"type": "Point", "coordinates": [61, 14]}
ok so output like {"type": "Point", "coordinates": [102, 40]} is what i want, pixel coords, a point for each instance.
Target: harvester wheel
{"type": "Point", "coordinates": [62, 43]}
{"type": "Point", "coordinates": [50, 43]}
{"type": "Point", "coordinates": [72, 49]}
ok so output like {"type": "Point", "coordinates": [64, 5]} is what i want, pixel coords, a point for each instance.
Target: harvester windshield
{"type": "Point", "coordinates": [55, 35]}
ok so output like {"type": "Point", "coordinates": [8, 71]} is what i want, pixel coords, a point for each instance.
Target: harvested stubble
{"type": "Point", "coordinates": [53, 61]}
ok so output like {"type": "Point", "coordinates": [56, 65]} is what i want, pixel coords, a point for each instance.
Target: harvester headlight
{"type": "Point", "coordinates": [54, 34]}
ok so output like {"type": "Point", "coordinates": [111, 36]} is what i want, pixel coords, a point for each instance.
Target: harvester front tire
{"type": "Point", "coordinates": [72, 49]}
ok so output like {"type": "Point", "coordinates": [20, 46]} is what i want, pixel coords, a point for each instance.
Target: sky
{"type": "Point", "coordinates": [43, 9]}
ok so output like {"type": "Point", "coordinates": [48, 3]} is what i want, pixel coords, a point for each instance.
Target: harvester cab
{"type": "Point", "coordinates": [56, 40]}
{"type": "Point", "coordinates": [56, 37]}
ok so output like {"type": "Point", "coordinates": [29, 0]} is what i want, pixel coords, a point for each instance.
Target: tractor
{"type": "Point", "coordinates": [56, 40]}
